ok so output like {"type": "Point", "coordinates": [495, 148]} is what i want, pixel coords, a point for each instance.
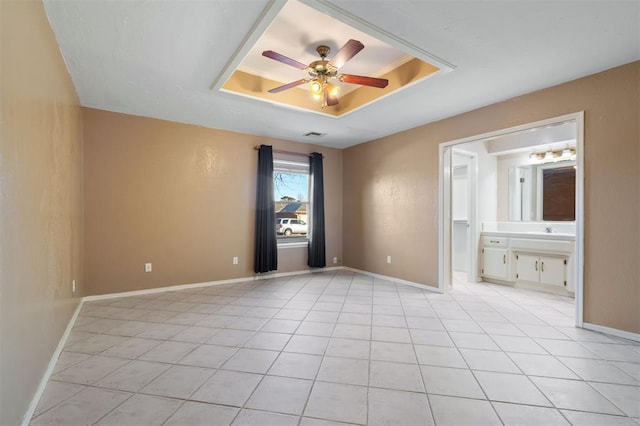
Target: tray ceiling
{"type": "Point", "coordinates": [161, 59]}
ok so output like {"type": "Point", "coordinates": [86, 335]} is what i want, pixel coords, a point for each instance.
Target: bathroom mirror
{"type": "Point", "coordinates": [542, 192]}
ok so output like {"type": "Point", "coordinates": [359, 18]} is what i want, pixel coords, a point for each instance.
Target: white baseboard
{"type": "Point", "coordinates": [63, 340]}
{"type": "Point", "coordinates": [612, 331]}
{"type": "Point", "coordinates": [163, 289]}
{"type": "Point", "coordinates": [395, 280]}
{"type": "Point", "coordinates": [52, 364]}
{"type": "Point", "coordinates": [264, 276]}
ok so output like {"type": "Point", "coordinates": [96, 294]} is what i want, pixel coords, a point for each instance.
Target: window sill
{"type": "Point", "coordinates": [292, 245]}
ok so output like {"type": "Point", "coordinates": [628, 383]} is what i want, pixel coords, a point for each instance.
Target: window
{"type": "Point", "coordinates": [291, 200]}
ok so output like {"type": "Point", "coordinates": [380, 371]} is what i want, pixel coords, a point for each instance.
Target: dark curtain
{"type": "Point", "coordinates": [266, 246]}
{"type": "Point", "coordinates": [317, 256]}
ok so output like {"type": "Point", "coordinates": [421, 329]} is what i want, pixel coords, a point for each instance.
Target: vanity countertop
{"type": "Point", "coordinates": [532, 235]}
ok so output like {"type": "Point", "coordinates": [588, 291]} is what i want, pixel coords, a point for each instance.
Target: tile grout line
{"type": "Point", "coordinates": [315, 379]}
{"type": "Point", "coordinates": [245, 292]}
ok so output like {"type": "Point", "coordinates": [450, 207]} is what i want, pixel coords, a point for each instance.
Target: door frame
{"type": "Point", "coordinates": [472, 213]}
{"type": "Point", "coordinates": [444, 202]}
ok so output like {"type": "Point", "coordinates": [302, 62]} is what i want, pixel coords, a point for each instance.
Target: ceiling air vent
{"type": "Point", "coordinates": [314, 134]}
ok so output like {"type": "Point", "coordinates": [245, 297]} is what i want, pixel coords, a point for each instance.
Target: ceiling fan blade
{"type": "Point", "coordinates": [289, 85]}
{"type": "Point", "coordinates": [346, 52]}
{"type": "Point", "coordinates": [281, 58]}
{"type": "Point", "coordinates": [365, 81]}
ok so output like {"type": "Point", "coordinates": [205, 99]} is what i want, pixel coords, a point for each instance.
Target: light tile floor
{"type": "Point", "coordinates": [335, 348]}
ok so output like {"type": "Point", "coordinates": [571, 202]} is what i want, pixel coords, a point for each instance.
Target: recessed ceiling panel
{"type": "Point", "coordinates": [296, 32]}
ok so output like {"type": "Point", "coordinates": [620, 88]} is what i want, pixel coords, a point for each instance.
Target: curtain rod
{"type": "Point", "coordinates": [282, 151]}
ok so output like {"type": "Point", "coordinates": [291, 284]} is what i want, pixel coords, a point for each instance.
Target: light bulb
{"type": "Point", "coordinates": [315, 87]}
{"type": "Point", "coordinates": [333, 90]}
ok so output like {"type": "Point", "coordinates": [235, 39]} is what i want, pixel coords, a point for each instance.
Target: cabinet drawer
{"type": "Point", "coordinates": [495, 242]}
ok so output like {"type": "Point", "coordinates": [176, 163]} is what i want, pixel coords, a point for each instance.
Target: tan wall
{"type": "Point", "coordinates": [391, 190]}
{"type": "Point", "coordinates": [40, 202]}
{"type": "Point", "coordinates": [182, 197]}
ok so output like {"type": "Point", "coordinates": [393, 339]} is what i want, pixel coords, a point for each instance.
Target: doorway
{"type": "Point", "coordinates": [452, 185]}
{"type": "Point", "coordinates": [463, 215]}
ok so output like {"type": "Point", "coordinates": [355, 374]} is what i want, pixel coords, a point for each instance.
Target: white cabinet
{"type": "Point", "coordinates": [494, 263]}
{"type": "Point", "coordinates": [544, 264]}
{"type": "Point", "coordinates": [496, 258]}
{"type": "Point", "coordinates": [528, 267]}
{"type": "Point", "coordinates": [542, 269]}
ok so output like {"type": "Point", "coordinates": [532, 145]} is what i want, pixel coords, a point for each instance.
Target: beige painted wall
{"type": "Point", "coordinates": [182, 197]}
{"type": "Point", "coordinates": [40, 202]}
{"type": "Point", "coordinates": [391, 190]}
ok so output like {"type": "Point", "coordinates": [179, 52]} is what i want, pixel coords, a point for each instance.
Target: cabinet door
{"type": "Point", "coordinates": [552, 270]}
{"type": "Point", "coordinates": [494, 263]}
{"type": "Point", "coordinates": [528, 268]}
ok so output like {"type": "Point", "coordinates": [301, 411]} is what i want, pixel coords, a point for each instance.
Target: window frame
{"type": "Point", "coordinates": [297, 166]}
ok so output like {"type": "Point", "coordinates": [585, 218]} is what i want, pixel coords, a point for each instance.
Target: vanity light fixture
{"type": "Point", "coordinates": [551, 155]}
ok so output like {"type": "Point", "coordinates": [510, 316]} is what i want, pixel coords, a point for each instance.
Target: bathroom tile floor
{"type": "Point", "coordinates": [340, 348]}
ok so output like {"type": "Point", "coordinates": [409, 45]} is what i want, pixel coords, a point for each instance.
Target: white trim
{"type": "Point", "coordinates": [264, 276]}
{"type": "Point", "coordinates": [444, 213]}
{"type": "Point", "coordinates": [52, 364]}
{"type": "Point", "coordinates": [269, 275]}
{"type": "Point", "coordinates": [444, 185]}
{"type": "Point", "coordinates": [579, 273]}
{"type": "Point", "coordinates": [267, 16]}
{"type": "Point", "coordinates": [271, 12]}
{"type": "Point", "coordinates": [163, 289]}
{"type": "Point", "coordinates": [395, 280]}
{"type": "Point", "coordinates": [612, 331]}
{"type": "Point", "coordinates": [516, 129]}
{"type": "Point", "coordinates": [285, 245]}
{"type": "Point", "coordinates": [355, 21]}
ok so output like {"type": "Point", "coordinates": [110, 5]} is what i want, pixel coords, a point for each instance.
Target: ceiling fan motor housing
{"type": "Point", "coordinates": [322, 67]}
{"type": "Point", "coordinates": [323, 51]}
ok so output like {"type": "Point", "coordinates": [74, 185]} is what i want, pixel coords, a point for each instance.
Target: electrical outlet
{"type": "Point", "coordinates": [235, 260]}
{"type": "Point", "coordinates": [388, 259]}
{"type": "Point", "coordinates": [73, 286]}
{"type": "Point", "coordinates": [147, 267]}
{"type": "Point", "coordinates": [335, 260]}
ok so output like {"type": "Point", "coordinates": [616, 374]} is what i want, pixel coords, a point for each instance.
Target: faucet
{"type": "Point", "coordinates": [548, 229]}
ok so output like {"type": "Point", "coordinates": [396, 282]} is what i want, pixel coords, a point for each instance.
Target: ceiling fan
{"type": "Point", "coordinates": [322, 71]}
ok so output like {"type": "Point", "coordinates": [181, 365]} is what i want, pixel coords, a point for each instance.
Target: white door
{"type": "Point", "coordinates": [528, 268]}
{"type": "Point", "coordinates": [552, 270]}
{"type": "Point", "coordinates": [494, 263]}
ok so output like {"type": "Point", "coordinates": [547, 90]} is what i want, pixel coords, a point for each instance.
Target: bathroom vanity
{"type": "Point", "coordinates": [538, 260]}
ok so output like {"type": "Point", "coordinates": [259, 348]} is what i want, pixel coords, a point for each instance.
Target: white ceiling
{"type": "Point", "coordinates": [297, 32]}
{"type": "Point", "coordinates": [160, 58]}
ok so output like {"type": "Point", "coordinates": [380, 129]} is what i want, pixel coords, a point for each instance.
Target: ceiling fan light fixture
{"type": "Point", "coordinates": [321, 71]}
{"type": "Point", "coordinates": [333, 90]}
{"type": "Point", "coordinates": [315, 87]}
